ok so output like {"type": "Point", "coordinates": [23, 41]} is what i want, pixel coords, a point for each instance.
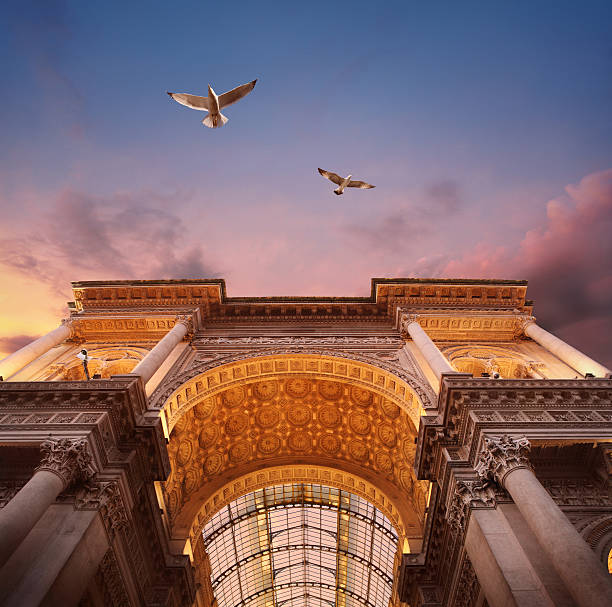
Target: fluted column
{"type": "Point", "coordinates": [568, 354]}
{"type": "Point", "coordinates": [63, 462]}
{"type": "Point", "coordinates": [18, 360]}
{"type": "Point", "coordinates": [505, 460]}
{"type": "Point", "coordinates": [435, 359]}
{"type": "Point", "coordinates": [147, 367]}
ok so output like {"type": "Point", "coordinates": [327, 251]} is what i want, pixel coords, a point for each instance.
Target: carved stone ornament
{"type": "Point", "coordinates": [501, 455]}
{"type": "Point", "coordinates": [67, 458]}
{"type": "Point", "coordinates": [468, 494]}
{"type": "Point", "coordinates": [187, 320]}
{"type": "Point", "coordinates": [105, 497]}
{"type": "Point", "coordinates": [523, 322]}
{"type": "Point", "coordinates": [407, 319]}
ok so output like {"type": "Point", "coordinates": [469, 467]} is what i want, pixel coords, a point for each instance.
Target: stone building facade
{"type": "Point", "coordinates": [436, 415]}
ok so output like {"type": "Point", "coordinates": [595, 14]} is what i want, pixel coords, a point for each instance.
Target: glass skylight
{"type": "Point", "coordinates": [301, 545]}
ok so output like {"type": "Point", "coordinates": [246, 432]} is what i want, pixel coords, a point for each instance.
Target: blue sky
{"type": "Point", "coordinates": [469, 117]}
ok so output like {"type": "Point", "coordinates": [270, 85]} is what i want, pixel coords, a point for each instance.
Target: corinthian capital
{"type": "Point", "coordinates": [522, 322]}
{"type": "Point", "coordinates": [187, 320]}
{"type": "Point", "coordinates": [468, 494]}
{"type": "Point", "coordinates": [406, 319]}
{"type": "Point", "coordinates": [501, 455]}
{"type": "Point", "coordinates": [67, 458]}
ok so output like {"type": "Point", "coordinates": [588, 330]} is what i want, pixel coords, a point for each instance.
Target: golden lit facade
{"type": "Point", "coordinates": [429, 445]}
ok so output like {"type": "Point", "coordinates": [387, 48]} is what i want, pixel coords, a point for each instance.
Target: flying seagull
{"type": "Point", "coordinates": [213, 103]}
{"type": "Point", "coordinates": [344, 182]}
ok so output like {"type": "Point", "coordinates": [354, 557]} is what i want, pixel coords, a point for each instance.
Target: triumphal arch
{"type": "Point", "coordinates": [429, 445]}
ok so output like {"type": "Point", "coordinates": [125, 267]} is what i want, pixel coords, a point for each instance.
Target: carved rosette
{"type": "Point", "coordinates": [469, 494]}
{"type": "Point", "coordinates": [69, 459]}
{"type": "Point", "coordinates": [501, 455]}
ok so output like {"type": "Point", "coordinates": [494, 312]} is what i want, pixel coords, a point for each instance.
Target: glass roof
{"type": "Point", "coordinates": [301, 545]}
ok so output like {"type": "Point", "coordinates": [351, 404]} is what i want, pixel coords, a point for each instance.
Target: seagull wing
{"type": "Point", "coordinates": [192, 101]}
{"type": "Point", "coordinates": [236, 94]}
{"type": "Point", "coordinates": [362, 185]}
{"type": "Point", "coordinates": [331, 176]}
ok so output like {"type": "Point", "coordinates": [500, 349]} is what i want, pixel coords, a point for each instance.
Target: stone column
{"type": "Point", "coordinates": [568, 354]}
{"type": "Point", "coordinates": [64, 461]}
{"type": "Point", "coordinates": [435, 359]}
{"type": "Point", "coordinates": [505, 460]}
{"type": "Point", "coordinates": [153, 360]}
{"type": "Point", "coordinates": [24, 356]}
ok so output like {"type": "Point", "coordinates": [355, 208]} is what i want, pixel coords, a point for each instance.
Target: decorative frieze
{"type": "Point", "coordinates": [67, 458]}
{"type": "Point", "coordinates": [322, 340]}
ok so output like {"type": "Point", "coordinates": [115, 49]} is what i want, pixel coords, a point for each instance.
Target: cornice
{"type": "Point", "coordinates": [385, 295]}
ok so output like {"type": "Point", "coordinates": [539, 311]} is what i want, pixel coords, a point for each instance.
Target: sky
{"type": "Point", "coordinates": [485, 126]}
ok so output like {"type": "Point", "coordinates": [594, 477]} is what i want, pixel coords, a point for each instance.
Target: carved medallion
{"type": "Point", "coordinates": [184, 452]}
{"type": "Point", "coordinates": [406, 479]}
{"type": "Point", "coordinates": [233, 397]}
{"type": "Point", "coordinates": [329, 416]}
{"type": "Point", "coordinates": [359, 451]}
{"type": "Point", "coordinates": [236, 424]}
{"type": "Point", "coordinates": [239, 452]}
{"type": "Point", "coordinates": [297, 387]}
{"type": "Point", "coordinates": [330, 390]}
{"type": "Point", "coordinates": [267, 417]}
{"type": "Point", "coordinates": [384, 462]}
{"type": "Point", "coordinates": [208, 436]}
{"type": "Point", "coordinates": [269, 444]}
{"type": "Point", "coordinates": [299, 441]}
{"type": "Point", "coordinates": [204, 408]}
{"type": "Point", "coordinates": [181, 424]}
{"type": "Point", "coordinates": [359, 423]}
{"type": "Point", "coordinates": [265, 390]}
{"type": "Point", "coordinates": [409, 450]}
{"type": "Point", "coordinates": [386, 433]}
{"type": "Point", "coordinates": [330, 443]}
{"type": "Point", "coordinates": [390, 409]}
{"type": "Point", "coordinates": [299, 415]}
{"type": "Point", "coordinates": [190, 481]}
{"type": "Point", "coordinates": [172, 502]}
{"type": "Point", "coordinates": [361, 396]}
{"type": "Point", "coordinates": [212, 463]}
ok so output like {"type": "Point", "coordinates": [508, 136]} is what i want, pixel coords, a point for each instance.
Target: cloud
{"type": "Point", "coordinates": [567, 260]}
{"type": "Point", "coordinates": [409, 222]}
{"type": "Point", "coordinates": [90, 237]}
{"type": "Point", "coordinates": [13, 343]}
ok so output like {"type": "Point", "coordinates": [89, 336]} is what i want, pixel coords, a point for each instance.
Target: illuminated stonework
{"type": "Point", "coordinates": [400, 403]}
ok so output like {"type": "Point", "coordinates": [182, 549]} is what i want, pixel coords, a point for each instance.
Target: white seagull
{"type": "Point", "coordinates": [213, 103]}
{"type": "Point", "coordinates": [344, 182]}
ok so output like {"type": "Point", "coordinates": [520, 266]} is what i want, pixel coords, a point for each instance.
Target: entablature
{"type": "Point", "coordinates": [559, 410]}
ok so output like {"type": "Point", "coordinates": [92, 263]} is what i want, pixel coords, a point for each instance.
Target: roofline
{"type": "Point", "coordinates": [375, 282]}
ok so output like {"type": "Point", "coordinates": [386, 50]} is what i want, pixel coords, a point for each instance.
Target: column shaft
{"type": "Point", "coordinates": [17, 360]}
{"type": "Point", "coordinates": [573, 559]}
{"type": "Point", "coordinates": [430, 351]}
{"type": "Point", "coordinates": [21, 514]}
{"type": "Point", "coordinates": [153, 360]}
{"type": "Point", "coordinates": [568, 354]}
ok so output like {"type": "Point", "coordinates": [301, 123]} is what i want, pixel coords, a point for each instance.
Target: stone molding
{"type": "Point", "coordinates": [322, 340]}
{"type": "Point", "coordinates": [69, 459]}
{"type": "Point", "coordinates": [501, 455]}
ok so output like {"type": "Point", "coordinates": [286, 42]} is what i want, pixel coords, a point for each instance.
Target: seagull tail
{"type": "Point", "coordinates": [215, 122]}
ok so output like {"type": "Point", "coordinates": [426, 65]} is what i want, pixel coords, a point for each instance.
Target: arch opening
{"type": "Point", "coordinates": [300, 544]}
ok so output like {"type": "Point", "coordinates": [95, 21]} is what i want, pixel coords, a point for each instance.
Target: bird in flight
{"type": "Point", "coordinates": [213, 103]}
{"type": "Point", "coordinates": [344, 182]}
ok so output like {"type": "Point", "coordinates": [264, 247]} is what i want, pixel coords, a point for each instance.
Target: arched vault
{"type": "Point", "coordinates": [292, 418]}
